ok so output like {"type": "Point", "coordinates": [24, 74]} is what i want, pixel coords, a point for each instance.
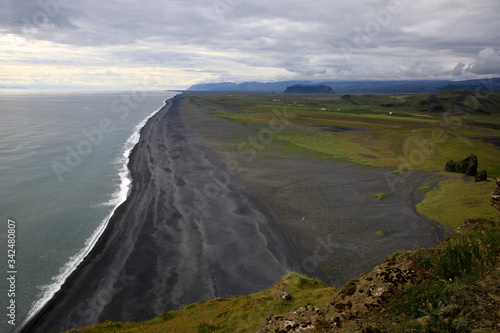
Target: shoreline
{"type": "Point", "coordinates": [122, 193]}
{"type": "Point", "coordinates": [27, 326]}
{"type": "Point", "coordinates": [156, 255]}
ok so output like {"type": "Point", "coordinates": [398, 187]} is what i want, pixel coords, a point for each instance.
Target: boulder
{"type": "Point", "coordinates": [481, 176]}
{"type": "Point", "coordinates": [367, 291]}
{"type": "Point", "coordinates": [284, 296]}
{"type": "Point", "coordinates": [467, 166]}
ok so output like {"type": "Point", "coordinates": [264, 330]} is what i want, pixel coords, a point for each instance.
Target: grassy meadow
{"type": "Point", "coordinates": [379, 130]}
{"type": "Point", "coordinates": [402, 132]}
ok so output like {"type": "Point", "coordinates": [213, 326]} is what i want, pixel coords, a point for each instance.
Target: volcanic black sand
{"type": "Point", "coordinates": [328, 210]}
{"type": "Point", "coordinates": [187, 232]}
{"type": "Point", "coordinates": [194, 229]}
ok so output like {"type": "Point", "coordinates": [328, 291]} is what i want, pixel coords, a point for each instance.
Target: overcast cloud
{"type": "Point", "coordinates": [174, 44]}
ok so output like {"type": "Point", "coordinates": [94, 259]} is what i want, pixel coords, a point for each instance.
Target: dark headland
{"type": "Point", "coordinates": [308, 89]}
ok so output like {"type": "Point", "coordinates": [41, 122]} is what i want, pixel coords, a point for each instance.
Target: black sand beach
{"type": "Point", "coordinates": [194, 229]}
{"type": "Point", "coordinates": [327, 209]}
{"type": "Point", "coordinates": [187, 232]}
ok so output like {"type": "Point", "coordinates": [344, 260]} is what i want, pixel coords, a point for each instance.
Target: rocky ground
{"type": "Point", "coordinates": [360, 306]}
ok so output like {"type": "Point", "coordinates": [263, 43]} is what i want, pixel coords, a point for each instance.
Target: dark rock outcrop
{"type": "Point", "coordinates": [351, 304]}
{"type": "Point", "coordinates": [353, 308]}
{"type": "Point", "coordinates": [308, 89]}
{"type": "Point", "coordinates": [467, 166]}
{"type": "Point", "coordinates": [481, 176]}
{"type": "Point", "coordinates": [481, 111]}
{"type": "Point", "coordinates": [349, 98]}
{"type": "Point", "coordinates": [495, 196]}
{"type": "Point", "coordinates": [437, 108]}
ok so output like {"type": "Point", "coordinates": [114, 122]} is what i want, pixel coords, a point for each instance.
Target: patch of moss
{"type": "Point", "coordinates": [381, 196]}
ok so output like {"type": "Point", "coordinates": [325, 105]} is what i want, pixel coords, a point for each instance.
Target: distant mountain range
{"type": "Point", "coordinates": [341, 87]}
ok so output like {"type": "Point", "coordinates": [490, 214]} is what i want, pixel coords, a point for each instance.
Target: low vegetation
{"type": "Point", "coordinates": [445, 296]}
{"type": "Point", "coordinates": [403, 131]}
{"type": "Point", "coordinates": [230, 314]}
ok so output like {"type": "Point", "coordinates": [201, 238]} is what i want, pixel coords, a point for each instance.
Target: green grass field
{"type": "Point", "coordinates": [386, 131]}
{"type": "Point", "coordinates": [399, 131]}
{"type": "Point", "coordinates": [456, 200]}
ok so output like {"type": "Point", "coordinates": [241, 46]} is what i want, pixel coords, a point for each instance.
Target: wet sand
{"type": "Point", "coordinates": [188, 231]}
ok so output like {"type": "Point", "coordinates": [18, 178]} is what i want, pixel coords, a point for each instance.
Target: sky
{"type": "Point", "coordinates": [160, 44]}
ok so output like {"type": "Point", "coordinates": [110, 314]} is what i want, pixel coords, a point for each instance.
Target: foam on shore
{"type": "Point", "coordinates": [117, 198]}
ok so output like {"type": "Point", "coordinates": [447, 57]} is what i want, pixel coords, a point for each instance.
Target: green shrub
{"type": "Point", "coordinates": [167, 316]}
{"type": "Point", "coordinates": [191, 306]}
{"type": "Point", "coordinates": [469, 255]}
{"type": "Point", "coordinates": [413, 301]}
{"type": "Point", "coordinates": [439, 289]}
{"type": "Point", "coordinates": [461, 325]}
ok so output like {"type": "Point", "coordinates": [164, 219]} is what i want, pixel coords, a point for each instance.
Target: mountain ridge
{"type": "Point", "coordinates": [381, 87]}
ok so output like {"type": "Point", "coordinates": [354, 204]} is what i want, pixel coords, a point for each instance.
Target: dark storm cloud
{"type": "Point", "coordinates": [320, 39]}
{"type": "Point", "coordinates": [23, 16]}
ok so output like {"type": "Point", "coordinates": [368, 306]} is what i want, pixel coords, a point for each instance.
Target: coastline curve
{"type": "Point", "coordinates": [155, 254]}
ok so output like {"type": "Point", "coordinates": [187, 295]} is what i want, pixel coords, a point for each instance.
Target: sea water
{"type": "Point", "coordinates": [62, 173]}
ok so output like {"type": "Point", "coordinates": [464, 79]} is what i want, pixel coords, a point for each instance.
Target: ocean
{"type": "Point", "coordinates": [62, 174]}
